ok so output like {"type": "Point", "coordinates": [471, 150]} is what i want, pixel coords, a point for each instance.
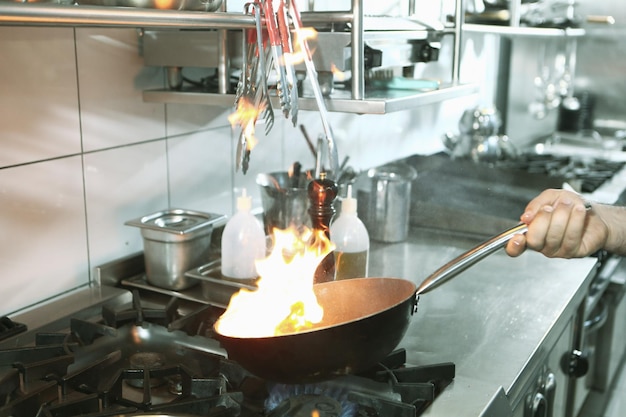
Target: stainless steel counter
{"type": "Point", "coordinates": [495, 321]}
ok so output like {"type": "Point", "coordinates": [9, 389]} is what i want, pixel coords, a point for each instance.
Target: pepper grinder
{"type": "Point", "coordinates": [322, 193]}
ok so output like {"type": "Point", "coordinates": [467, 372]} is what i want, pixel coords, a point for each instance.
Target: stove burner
{"type": "Point", "coordinates": [585, 174]}
{"type": "Point", "coordinates": [146, 361]}
{"type": "Point", "coordinates": [139, 360]}
{"type": "Point", "coordinates": [309, 406]}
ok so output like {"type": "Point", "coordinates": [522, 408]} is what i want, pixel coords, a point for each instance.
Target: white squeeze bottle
{"type": "Point", "coordinates": [350, 236]}
{"type": "Point", "coordinates": [243, 242]}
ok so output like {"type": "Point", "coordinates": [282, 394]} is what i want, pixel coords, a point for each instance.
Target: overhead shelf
{"type": "Point", "coordinates": [521, 31]}
{"type": "Point", "coordinates": [378, 102]}
{"type": "Point", "coordinates": [356, 99]}
{"type": "Point", "coordinates": [49, 14]}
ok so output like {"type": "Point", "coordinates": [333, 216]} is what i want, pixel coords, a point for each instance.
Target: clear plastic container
{"type": "Point", "coordinates": [352, 241]}
{"type": "Point", "coordinates": [243, 243]}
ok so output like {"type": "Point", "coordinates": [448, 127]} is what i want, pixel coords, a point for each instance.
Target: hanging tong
{"type": "Point", "coordinates": [333, 157]}
{"type": "Point", "coordinates": [282, 87]}
{"type": "Point", "coordinates": [285, 37]}
{"type": "Point", "coordinates": [253, 84]}
{"type": "Point", "coordinates": [262, 95]}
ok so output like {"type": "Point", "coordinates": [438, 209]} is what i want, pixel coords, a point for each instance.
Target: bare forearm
{"type": "Point", "coordinates": [614, 217]}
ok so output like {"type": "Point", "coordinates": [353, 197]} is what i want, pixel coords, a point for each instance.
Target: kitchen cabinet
{"type": "Point", "coordinates": [356, 99]}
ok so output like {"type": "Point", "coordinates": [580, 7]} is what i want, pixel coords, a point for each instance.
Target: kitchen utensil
{"type": "Point", "coordinates": [492, 148]}
{"type": "Point", "coordinates": [333, 156]}
{"type": "Point", "coordinates": [175, 241]}
{"type": "Point", "coordinates": [289, 69]}
{"type": "Point", "coordinates": [364, 320]}
{"type": "Point", "coordinates": [384, 203]}
{"type": "Point", "coordinates": [253, 85]}
{"type": "Point", "coordinates": [482, 121]}
{"type": "Point", "coordinates": [276, 46]}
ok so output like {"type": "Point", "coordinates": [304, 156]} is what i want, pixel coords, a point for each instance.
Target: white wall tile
{"type": "Point", "coordinates": [112, 78]}
{"type": "Point", "coordinates": [268, 155]}
{"type": "Point", "coordinates": [122, 184]}
{"type": "Point", "coordinates": [187, 118]}
{"type": "Point", "coordinates": [139, 157]}
{"type": "Point", "coordinates": [200, 176]}
{"type": "Point", "coordinates": [38, 94]}
{"type": "Point", "coordinates": [43, 243]}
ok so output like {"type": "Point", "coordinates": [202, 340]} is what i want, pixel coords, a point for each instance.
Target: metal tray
{"type": "Point", "coordinates": [216, 289]}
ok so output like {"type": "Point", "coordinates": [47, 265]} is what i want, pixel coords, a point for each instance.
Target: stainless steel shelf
{"type": "Point", "coordinates": [357, 100]}
{"type": "Point", "coordinates": [519, 31]}
{"type": "Point", "coordinates": [49, 14]}
{"type": "Point", "coordinates": [377, 102]}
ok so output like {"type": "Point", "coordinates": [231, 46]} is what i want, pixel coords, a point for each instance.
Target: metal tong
{"type": "Point", "coordinates": [253, 84]}
{"type": "Point", "coordinates": [258, 63]}
{"type": "Point", "coordinates": [280, 44]}
{"type": "Point", "coordinates": [333, 157]}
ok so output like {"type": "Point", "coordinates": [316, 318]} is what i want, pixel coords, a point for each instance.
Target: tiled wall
{"type": "Point", "coordinates": [81, 153]}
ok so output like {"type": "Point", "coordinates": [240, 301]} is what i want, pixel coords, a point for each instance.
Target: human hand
{"type": "Point", "coordinates": [560, 225]}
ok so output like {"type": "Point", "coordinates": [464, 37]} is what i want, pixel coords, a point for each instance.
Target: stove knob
{"type": "Point", "coordinates": [575, 364]}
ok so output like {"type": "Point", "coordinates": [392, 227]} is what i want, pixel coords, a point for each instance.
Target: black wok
{"type": "Point", "coordinates": [364, 320]}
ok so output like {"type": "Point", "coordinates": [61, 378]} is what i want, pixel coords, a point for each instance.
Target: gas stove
{"type": "Point", "coordinates": [585, 174]}
{"type": "Point", "coordinates": [145, 357]}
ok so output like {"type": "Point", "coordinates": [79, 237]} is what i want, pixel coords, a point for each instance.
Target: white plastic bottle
{"type": "Point", "coordinates": [243, 242]}
{"type": "Point", "coordinates": [350, 236]}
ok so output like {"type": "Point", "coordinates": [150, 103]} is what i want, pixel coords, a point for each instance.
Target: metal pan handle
{"type": "Point", "coordinates": [469, 258]}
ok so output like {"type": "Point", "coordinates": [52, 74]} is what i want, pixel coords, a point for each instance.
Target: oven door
{"type": "Point", "coordinates": [610, 346]}
{"type": "Point", "coordinates": [594, 322]}
{"type": "Point", "coordinates": [605, 346]}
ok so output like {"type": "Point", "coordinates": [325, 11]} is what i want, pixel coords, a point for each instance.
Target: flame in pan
{"type": "Point", "coordinates": [284, 301]}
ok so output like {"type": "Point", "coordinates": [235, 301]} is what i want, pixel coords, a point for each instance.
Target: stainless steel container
{"type": "Point", "coordinates": [174, 242]}
{"type": "Point", "coordinates": [285, 200]}
{"type": "Point", "coordinates": [384, 201]}
{"type": "Point", "coordinates": [215, 289]}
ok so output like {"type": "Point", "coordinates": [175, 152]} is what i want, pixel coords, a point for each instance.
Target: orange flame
{"type": "Point", "coordinates": [339, 75]}
{"type": "Point", "coordinates": [284, 301]}
{"type": "Point", "coordinates": [298, 55]}
{"type": "Point", "coordinates": [245, 116]}
{"type": "Point", "coordinates": [164, 4]}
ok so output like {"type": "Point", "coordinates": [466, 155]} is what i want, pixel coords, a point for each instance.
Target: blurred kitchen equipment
{"type": "Point", "coordinates": [479, 138]}
{"type": "Point", "coordinates": [364, 320]}
{"type": "Point", "coordinates": [492, 148]}
{"type": "Point", "coordinates": [576, 113]}
{"type": "Point", "coordinates": [309, 142]}
{"type": "Point", "coordinates": [483, 121]}
{"type": "Point", "coordinates": [384, 199]}
{"type": "Point", "coordinates": [284, 199]}
{"type": "Point", "coordinates": [175, 241]}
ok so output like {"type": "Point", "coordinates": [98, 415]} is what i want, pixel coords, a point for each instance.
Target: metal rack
{"type": "Point", "coordinates": [357, 100]}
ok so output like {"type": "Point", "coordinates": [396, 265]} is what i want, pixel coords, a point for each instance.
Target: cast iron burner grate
{"type": "Point", "coordinates": [390, 389]}
{"type": "Point", "coordinates": [139, 360]}
{"type": "Point", "coordinates": [584, 173]}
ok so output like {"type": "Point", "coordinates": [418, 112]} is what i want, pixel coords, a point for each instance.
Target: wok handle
{"type": "Point", "coordinates": [469, 258]}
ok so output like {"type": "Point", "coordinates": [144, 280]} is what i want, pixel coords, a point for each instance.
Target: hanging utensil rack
{"type": "Point", "coordinates": [357, 100]}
